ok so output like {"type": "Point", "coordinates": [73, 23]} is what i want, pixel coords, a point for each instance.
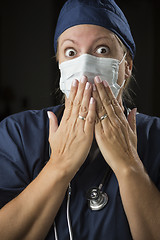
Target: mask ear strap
{"type": "Point", "coordinates": [123, 58]}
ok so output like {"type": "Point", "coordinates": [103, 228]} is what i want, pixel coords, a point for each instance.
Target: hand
{"type": "Point", "coordinates": [71, 141]}
{"type": "Point", "coordinates": [115, 135]}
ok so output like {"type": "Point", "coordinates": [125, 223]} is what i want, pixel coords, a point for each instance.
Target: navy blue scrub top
{"type": "Point", "coordinates": [24, 150]}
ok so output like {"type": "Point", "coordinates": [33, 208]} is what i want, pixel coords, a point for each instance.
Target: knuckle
{"type": "Point", "coordinates": [69, 103]}
{"type": "Point", "coordinates": [100, 109]}
{"type": "Point", "coordinates": [114, 102]}
{"type": "Point", "coordinates": [116, 124]}
{"type": "Point", "coordinates": [120, 114]}
{"type": "Point", "coordinates": [90, 119]}
{"type": "Point", "coordinates": [107, 101]}
{"type": "Point", "coordinates": [113, 138]}
{"type": "Point", "coordinates": [76, 102]}
{"type": "Point", "coordinates": [97, 120]}
{"type": "Point", "coordinates": [83, 109]}
{"type": "Point", "coordinates": [124, 122]}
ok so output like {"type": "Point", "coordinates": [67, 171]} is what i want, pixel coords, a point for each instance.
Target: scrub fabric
{"type": "Point", "coordinates": [24, 151]}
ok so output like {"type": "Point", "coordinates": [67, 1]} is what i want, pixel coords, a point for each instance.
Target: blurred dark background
{"type": "Point", "coordinates": [28, 70]}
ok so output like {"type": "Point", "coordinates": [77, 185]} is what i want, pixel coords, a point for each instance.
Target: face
{"type": "Point", "coordinates": [93, 40]}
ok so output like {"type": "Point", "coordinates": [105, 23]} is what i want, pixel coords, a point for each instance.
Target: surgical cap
{"type": "Point", "coordinates": [104, 13]}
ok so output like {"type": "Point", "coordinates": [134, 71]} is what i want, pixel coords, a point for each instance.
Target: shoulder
{"type": "Point", "coordinates": [147, 123]}
{"type": "Point", "coordinates": [26, 130]}
{"type": "Point", "coordinates": [148, 134]}
{"type": "Point", "coordinates": [148, 129]}
{"type": "Point", "coordinates": [30, 118]}
{"type": "Point", "coordinates": [30, 114]}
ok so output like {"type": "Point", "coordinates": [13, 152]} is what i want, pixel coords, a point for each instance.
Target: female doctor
{"type": "Point", "coordinates": [98, 175]}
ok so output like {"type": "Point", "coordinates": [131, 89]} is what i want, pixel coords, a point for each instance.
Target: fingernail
{"type": "Point", "coordinates": [74, 83]}
{"type": "Point", "coordinates": [92, 100]}
{"type": "Point", "coordinates": [98, 79]}
{"type": "Point", "coordinates": [87, 86]}
{"type": "Point", "coordinates": [49, 114]}
{"type": "Point", "coordinates": [105, 83]}
{"type": "Point", "coordinates": [83, 79]}
{"type": "Point", "coordinates": [94, 87]}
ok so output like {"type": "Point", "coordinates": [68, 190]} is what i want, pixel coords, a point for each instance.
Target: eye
{"type": "Point", "coordinates": [102, 50]}
{"type": "Point", "coordinates": [70, 52]}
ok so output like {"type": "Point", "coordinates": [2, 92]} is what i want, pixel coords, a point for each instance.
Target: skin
{"type": "Point", "coordinates": [36, 207]}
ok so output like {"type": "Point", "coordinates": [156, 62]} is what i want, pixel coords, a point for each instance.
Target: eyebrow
{"type": "Point", "coordinates": [97, 40]}
{"type": "Point", "coordinates": [65, 40]}
{"type": "Point", "coordinates": [105, 37]}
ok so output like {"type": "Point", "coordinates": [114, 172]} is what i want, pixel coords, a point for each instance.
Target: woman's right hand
{"type": "Point", "coordinates": [71, 141]}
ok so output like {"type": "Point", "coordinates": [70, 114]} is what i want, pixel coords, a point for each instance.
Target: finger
{"type": "Point", "coordinates": [91, 116]}
{"type": "Point", "coordinates": [110, 103]}
{"type": "Point", "coordinates": [53, 124]}
{"type": "Point", "coordinates": [104, 102]}
{"type": "Point", "coordinates": [115, 107]}
{"type": "Point", "coordinates": [132, 119]}
{"type": "Point", "coordinates": [79, 96]}
{"type": "Point", "coordinates": [85, 101]}
{"type": "Point", "coordinates": [73, 91]}
{"type": "Point", "coordinates": [69, 101]}
{"type": "Point", "coordinates": [100, 110]}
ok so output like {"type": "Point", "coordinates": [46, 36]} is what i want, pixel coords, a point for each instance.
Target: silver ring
{"type": "Point", "coordinates": [82, 118]}
{"type": "Point", "coordinates": [103, 117]}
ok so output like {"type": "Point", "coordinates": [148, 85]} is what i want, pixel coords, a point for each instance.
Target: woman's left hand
{"type": "Point", "coordinates": [115, 134]}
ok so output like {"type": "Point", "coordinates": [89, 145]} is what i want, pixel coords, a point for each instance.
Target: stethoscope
{"type": "Point", "coordinates": [97, 199]}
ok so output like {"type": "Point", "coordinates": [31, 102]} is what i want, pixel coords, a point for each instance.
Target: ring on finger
{"type": "Point", "coordinates": [82, 118]}
{"type": "Point", "coordinates": [103, 117]}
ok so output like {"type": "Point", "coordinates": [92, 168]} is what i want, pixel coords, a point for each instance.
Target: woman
{"type": "Point", "coordinates": [89, 179]}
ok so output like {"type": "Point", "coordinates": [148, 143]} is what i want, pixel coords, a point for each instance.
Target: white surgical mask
{"type": "Point", "coordinates": [90, 66]}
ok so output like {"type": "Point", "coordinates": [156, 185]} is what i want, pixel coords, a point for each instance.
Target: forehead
{"type": "Point", "coordinates": [86, 32]}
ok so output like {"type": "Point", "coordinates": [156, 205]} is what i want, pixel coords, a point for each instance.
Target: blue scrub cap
{"type": "Point", "coordinates": [104, 13]}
